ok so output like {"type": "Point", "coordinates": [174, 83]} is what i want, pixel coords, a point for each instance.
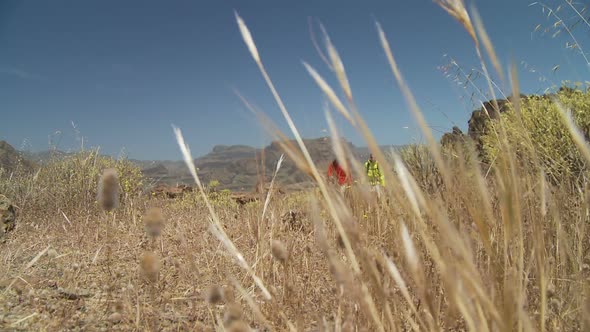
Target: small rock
{"type": "Point", "coordinates": [115, 318]}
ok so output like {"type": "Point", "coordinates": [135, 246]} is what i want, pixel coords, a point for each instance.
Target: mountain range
{"type": "Point", "coordinates": [239, 167]}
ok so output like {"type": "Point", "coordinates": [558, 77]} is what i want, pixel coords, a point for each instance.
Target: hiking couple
{"type": "Point", "coordinates": [376, 178]}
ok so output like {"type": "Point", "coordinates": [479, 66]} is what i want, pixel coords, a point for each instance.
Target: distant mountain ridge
{"type": "Point", "coordinates": [43, 156]}
{"type": "Point", "coordinates": [239, 167]}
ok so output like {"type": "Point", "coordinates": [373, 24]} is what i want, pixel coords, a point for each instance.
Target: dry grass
{"type": "Point", "coordinates": [504, 252]}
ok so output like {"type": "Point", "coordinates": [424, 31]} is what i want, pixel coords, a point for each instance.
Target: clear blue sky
{"type": "Point", "coordinates": [124, 71]}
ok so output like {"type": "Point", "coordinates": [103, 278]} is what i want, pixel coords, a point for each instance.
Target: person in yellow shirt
{"type": "Point", "coordinates": [376, 177]}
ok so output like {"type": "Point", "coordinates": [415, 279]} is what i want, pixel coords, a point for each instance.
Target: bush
{"type": "Point", "coordinates": [420, 163]}
{"type": "Point", "coordinates": [549, 136]}
{"type": "Point", "coordinates": [69, 184]}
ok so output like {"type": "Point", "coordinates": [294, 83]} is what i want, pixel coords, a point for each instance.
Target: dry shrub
{"type": "Point", "coordinates": [540, 132]}
{"type": "Point", "coordinates": [421, 165]}
{"type": "Point", "coordinates": [69, 183]}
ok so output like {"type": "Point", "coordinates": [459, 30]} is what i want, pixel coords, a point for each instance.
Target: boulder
{"type": "Point", "coordinates": [7, 215]}
{"type": "Point", "coordinates": [453, 138]}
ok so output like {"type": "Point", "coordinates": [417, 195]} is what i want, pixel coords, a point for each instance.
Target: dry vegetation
{"type": "Point", "coordinates": [450, 246]}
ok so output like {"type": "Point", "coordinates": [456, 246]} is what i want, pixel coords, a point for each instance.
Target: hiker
{"type": "Point", "coordinates": [376, 178]}
{"type": "Point", "coordinates": [335, 170]}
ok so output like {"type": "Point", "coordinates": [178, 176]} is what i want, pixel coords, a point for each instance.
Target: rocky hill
{"type": "Point", "coordinates": [11, 159]}
{"type": "Point", "coordinates": [239, 167]}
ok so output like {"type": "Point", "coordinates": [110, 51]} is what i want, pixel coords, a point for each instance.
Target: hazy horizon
{"type": "Point", "coordinates": [120, 74]}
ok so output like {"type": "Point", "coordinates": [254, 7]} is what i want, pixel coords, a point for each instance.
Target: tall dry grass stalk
{"type": "Point", "coordinates": [108, 200]}
{"type": "Point", "coordinates": [215, 226]}
{"type": "Point", "coordinates": [303, 150]}
{"type": "Point", "coordinates": [149, 268]}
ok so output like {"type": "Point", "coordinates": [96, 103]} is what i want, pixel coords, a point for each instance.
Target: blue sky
{"type": "Point", "coordinates": [124, 71]}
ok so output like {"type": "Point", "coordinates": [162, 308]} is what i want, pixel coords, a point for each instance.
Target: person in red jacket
{"type": "Point", "coordinates": [335, 170]}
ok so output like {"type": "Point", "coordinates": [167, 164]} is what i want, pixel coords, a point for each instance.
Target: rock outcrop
{"type": "Point", "coordinates": [453, 138]}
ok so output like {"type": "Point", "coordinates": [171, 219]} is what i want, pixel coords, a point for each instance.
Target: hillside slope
{"type": "Point", "coordinates": [11, 159]}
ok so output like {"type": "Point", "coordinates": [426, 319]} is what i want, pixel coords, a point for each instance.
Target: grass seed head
{"type": "Point", "coordinates": [339, 271]}
{"type": "Point", "coordinates": [200, 327]}
{"type": "Point", "coordinates": [108, 190]}
{"type": "Point", "coordinates": [550, 290]}
{"type": "Point", "coordinates": [119, 306]}
{"type": "Point", "coordinates": [150, 266]}
{"type": "Point", "coordinates": [214, 295]}
{"type": "Point", "coordinates": [239, 326]}
{"type": "Point", "coordinates": [115, 318]}
{"type": "Point", "coordinates": [228, 294]}
{"type": "Point", "coordinates": [279, 252]}
{"type": "Point", "coordinates": [586, 314]}
{"type": "Point", "coordinates": [456, 8]}
{"type": "Point", "coordinates": [52, 253]}
{"type": "Point", "coordinates": [154, 222]}
{"type": "Point", "coordinates": [233, 312]}
{"type": "Point", "coordinates": [248, 38]}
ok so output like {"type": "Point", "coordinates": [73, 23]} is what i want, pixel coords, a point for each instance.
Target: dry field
{"type": "Point", "coordinates": [56, 273]}
{"type": "Point", "coordinates": [451, 260]}
{"type": "Point", "coordinates": [452, 245]}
